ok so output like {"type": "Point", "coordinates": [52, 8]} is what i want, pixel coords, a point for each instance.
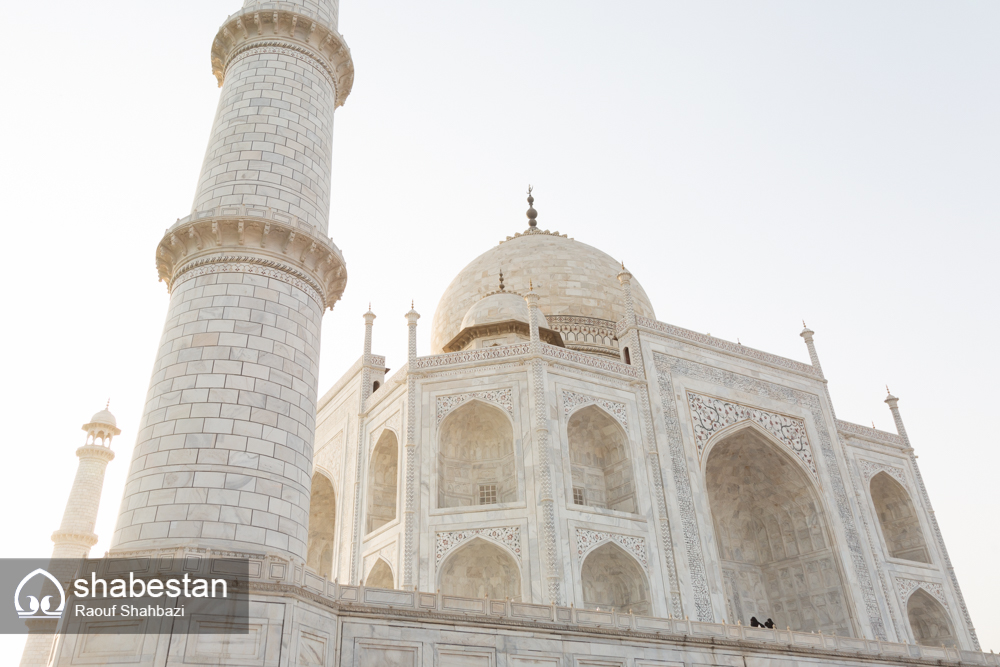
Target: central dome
{"type": "Point", "coordinates": [572, 279]}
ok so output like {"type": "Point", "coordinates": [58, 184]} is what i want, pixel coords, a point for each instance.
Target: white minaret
{"type": "Point", "coordinates": [223, 457]}
{"type": "Point", "coordinates": [76, 535]}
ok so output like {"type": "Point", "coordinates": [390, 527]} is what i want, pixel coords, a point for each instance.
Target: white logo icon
{"type": "Point", "coordinates": [38, 609]}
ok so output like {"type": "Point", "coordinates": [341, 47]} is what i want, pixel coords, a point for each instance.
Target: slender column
{"type": "Point", "coordinates": [362, 450]}
{"type": "Point", "coordinates": [893, 404]}
{"type": "Point", "coordinates": [409, 508]}
{"type": "Point", "coordinates": [224, 452]}
{"type": "Point", "coordinates": [547, 500]}
{"type": "Point", "coordinates": [76, 535]}
{"type": "Point", "coordinates": [807, 336]}
{"type": "Point", "coordinates": [631, 333]}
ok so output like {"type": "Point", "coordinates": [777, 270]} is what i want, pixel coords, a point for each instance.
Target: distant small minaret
{"type": "Point", "coordinates": [76, 534]}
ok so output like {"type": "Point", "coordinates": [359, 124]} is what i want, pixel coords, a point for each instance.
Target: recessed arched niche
{"type": "Point", "coordinates": [613, 579]}
{"type": "Point", "coordinates": [382, 480]}
{"type": "Point", "coordinates": [322, 525]}
{"type": "Point", "coordinates": [929, 620]}
{"type": "Point", "coordinates": [380, 576]}
{"type": "Point", "coordinates": [773, 537]}
{"type": "Point", "coordinates": [480, 569]}
{"type": "Point", "coordinates": [600, 466]}
{"type": "Point", "coordinates": [898, 519]}
{"type": "Point", "coordinates": [476, 457]}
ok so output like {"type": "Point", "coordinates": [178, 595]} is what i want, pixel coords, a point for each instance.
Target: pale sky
{"type": "Point", "coordinates": [753, 164]}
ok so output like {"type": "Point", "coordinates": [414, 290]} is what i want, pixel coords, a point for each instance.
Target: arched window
{"type": "Point", "coordinates": [929, 620]}
{"type": "Point", "coordinates": [898, 518]}
{"type": "Point", "coordinates": [480, 569]}
{"type": "Point", "coordinates": [322, 522]}
{"type": "Point", "coordinates": [773, 537]}
{"type": "Point", "coordinates": [612, 579]}
{"type": "Point", "coordinates": [382, 473]}
{"type": "Point", "coordinates": [380, 575]}
{"type": "Point", "coordinates": [599, 460]}
{"type": "Point", "coordinates": [476, 457]}
{"type": "Point", "coordinates": [375, 386]}
{"type": "Point", "coordinates": [628, 357]}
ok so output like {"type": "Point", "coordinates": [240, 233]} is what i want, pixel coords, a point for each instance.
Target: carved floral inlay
{"type": "Point", "coordinates": [907, 586]}
{"type": "Point", "coordinates": [871, 468]}
{"type": "Point", "coordinates": [587, 540]}
{"type": "Point", "coordinates": [572, 400]}
{"type": "Point", "coordinates": [500, 397]}
{"type": "Point", "coordinates": [711, 415]}
{"type": "Point", "coordinates": [508, 536]}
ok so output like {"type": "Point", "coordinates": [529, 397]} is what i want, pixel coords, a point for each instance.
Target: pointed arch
{"type": "Point", "coordinates": [898, 519]}
{"type": "Point", "coordinates": [380, 576]}
{"type": "Point", "coordinates": [613, 579]}
{"type": "Point", "coordinates": [481, 568]}
{"type": "Point", "coordinates": [929, 620]}
{"type": "Point", "coordinates": [322, 525]}
{"type": "Point", "coordinates": [476, 464]}
{"type": "Point", "coordinates": [383, 474]}
{"type": "Point", "coordinates": [600, 463]}
{"type": "Point", "coordinates": [773, 535]}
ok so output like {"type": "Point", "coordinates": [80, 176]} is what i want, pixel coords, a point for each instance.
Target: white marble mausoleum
{"type": "Point", "coordinates": [565, 481]}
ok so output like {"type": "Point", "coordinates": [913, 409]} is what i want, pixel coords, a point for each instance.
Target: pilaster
{"type": "Point", "coordinates": [409, 506]}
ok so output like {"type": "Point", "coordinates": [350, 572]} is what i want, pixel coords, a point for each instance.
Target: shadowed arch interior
{"type": "Point", "coordinates": [898, 519]}
{"type": "Point", "coordinates": [480, 569]}
{"type": "Point", "coordinates": [476, 457]}
{"type": "Point", "coordinates": [773, 537]}
{"type": "Point", "coordinates": [382, 474]}
{"type": "Point", "coordinates": [322, 522]}
{"type": "Point", "coordinates": [380, 576]}
{"type": "Point", "coordinates": [600, 466]}
{"type": "Point", "coordinates": [612, 579]}
{"type": "Point", "coordinates": [929, 620]}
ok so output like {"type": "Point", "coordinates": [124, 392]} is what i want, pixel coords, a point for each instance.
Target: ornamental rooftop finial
{"type": "Point", "coordinates": [501, 280]}
{"type": "Point", "coordinates": [532, 213]}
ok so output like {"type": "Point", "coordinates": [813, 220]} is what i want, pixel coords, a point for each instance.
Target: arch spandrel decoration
{"type": "Point", "coordinates": [391, 424]}
{"type": "Point", "coordinates": [499, 397]}
{"type": "Point", "coordinates": [906, 587]}
{"type": "Point", "coordinates": [508, 537]}
{"type": "Point", "coordinates": [572, 400]}
{"type": "Point", "coordinates": [871, 468]}
{"type": "Point", "coordinates": [588, 540]}
{"type": "Point", "coordinates": [711, 415]}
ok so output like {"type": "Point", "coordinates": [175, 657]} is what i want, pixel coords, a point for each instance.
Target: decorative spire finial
{"type": "Point", "coordinates": [411, 304]}
{"type": "Point", "coordinates": [531, 286]}
{"type": "Point", "coordinates": [108, 404]}
{"type": "Point", "coordinates": [804, 324]}
{"type": "Point", "coordinates": [501, 280]}
{"type": "Point", "coordinates": [532, 213]}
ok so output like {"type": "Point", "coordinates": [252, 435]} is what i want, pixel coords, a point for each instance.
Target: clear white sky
{"type": "Point", "coordinates": [754, 164]}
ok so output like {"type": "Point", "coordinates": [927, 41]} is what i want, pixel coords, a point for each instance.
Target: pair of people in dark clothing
{"type": "Point", "coordinates": [754, 623]}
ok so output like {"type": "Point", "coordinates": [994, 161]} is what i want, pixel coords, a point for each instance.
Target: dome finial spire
{"type": "Point", "coordinates": [532, 213]}
{"type": "Point", "coordinates": [501, 280]}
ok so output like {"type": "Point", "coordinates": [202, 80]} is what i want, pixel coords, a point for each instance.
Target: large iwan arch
{"type": "Point", "coordinates": [613, 579]}
{"type": "Point", "coordinates": [773, 536]}
{"type": "Point", "coordinates": [476, 457]}
{"type": "Point", "coordinates": [322, 526]}
{"type": "Point", "coordinates": [380, 576]}
{"type": "Point", "coordinates": [382, 481]}
{"type": "Point", "coordinates": [601, 468]}
{"type": "Point", "coordinates": [479, 568]}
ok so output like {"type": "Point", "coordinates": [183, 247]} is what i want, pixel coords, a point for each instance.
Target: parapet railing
{"type": "Point", "coordinates": [584, 619]}
{"type": "Point", "coordinates": [505, 352]}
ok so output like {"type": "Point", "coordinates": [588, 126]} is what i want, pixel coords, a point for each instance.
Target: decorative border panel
{"type": "Point", "coordinates": [907, 586]}
{"type": "Point", "coordinates": [508, 536]}
{"type": "Point", "coordinates": [711, 415]}
{"type": "Point", "coordinates": [500, 397]}
{"type": "Point", "coordinates": [571, 400]}
{"type": "Point", "coordinates": [587, 540]}
{"type": "Point", "coordinates": [871, 468]}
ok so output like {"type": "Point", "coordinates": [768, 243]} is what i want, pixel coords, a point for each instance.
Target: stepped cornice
{"type": "Point", "coordinates": [253, 240]}
{"type": "Point", "coordinates": [280, 25]}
